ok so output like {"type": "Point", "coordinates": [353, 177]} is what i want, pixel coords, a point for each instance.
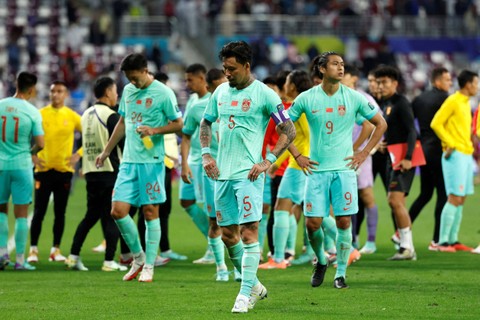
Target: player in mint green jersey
{"type": "Point", "coordinates": [331, 109]}
{"type": "Point", "coordinates": [148, 110]}
{"type": "Point", "coordinates": [243, 106]}
{"type": "Point", "coordinates": [20, 121]}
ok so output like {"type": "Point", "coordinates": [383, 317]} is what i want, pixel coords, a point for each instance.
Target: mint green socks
{"type": "Point", "coordinates": [292, 234]}
{"type": "Point", "coordinates": [330, 228]}
{"type": "Point", "coordinates": [453, 237]}
{"type": "Point", "coordinates": [21, 234]}
{"type": "Point", "coordinates": [446, 222]}
{"type": "Point", "coordinates": [152, 240]}
{"type": "Point", "coordinates": [3, 233]}
{"type": "Point", "coordinates": [129, 232]}
{"type": "Point", "coordinates": [316, 240]}
{"type": "Point", "coordinates": [344, 242]}
{"type": "Point", "coordinates": [280, 234]}
{"type": "Point", "coordinates": [218, 249]}
{"type": "Point", "coordinates": [251, 258]}
{"type": "Point", "coordinates": [199, 218]}
{"type": "Point", "coordinates": [262, 230]}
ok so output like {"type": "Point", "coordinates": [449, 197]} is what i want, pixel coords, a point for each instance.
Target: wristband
{"type": "Point", "coordinates": [297, 156]}
{"type": "Point", "coordinates": [205, 150]}
{"type": "Point", "coordinates": [271, 157]}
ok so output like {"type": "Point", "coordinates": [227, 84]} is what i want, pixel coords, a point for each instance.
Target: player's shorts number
{"type": "Point", "coordinates": [152, 188]}
{"type": "Point", "coordinates": [247, 205]}
{"type": "Point", "coordinates": [348, 198]}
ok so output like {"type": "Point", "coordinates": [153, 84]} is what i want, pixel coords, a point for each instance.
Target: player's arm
{"type": "Point", "coordinates": [438, 126]}
{"type": "Point", "coordinates": [209, 164]}
{"type": "Point", "coordinates": [172, 127]}
{"type": "Point", "coordinates": [367, 129]}
{"type": "Point", "coordinates": [184, 151]}
{"type": "Point", "coordinates": [38, 145]}
{"type": "Point", "coordinates": [115, 138]}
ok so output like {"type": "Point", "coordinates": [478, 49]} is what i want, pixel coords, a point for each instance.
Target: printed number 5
{"type": "Point", "coordinates": [231, 125]}
{"type": "Point", "coordinates": [329, 126]}
{"type": "Point", "coordinates": [247, 205]}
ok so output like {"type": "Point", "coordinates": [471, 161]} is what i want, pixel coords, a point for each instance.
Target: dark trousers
{"type": "Point", "coordinates": [45, 183]}
{"type": "Point", "coordinates": [431, 177]}
{"type": "Point", "coordinates": [99, 206]}
{"type": "Point", "coordinates": [164, 213]}
{"type": "Point", "coordinates": [275, 183]}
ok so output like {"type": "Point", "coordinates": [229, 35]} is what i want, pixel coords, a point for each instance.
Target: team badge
{"type": "Point", "coordinates": [308, 206]}
{"type": "Point", "coordinates": [246, 105]}
{"type": "Point", "coordinates": [341, 110]}
{"type": "Point", "coordinates": [218, 213]}
{"type": "Point", "coordinates": [148, 102]}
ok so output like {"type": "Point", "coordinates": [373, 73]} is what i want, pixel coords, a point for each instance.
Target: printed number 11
{"type": "Point", "coordinates": [4, 129]}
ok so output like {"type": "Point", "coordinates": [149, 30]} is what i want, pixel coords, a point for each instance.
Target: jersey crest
{"type": "Point", "coordinates": [246, 105]}
{"type": "Point", "coordinates": [341, 110]}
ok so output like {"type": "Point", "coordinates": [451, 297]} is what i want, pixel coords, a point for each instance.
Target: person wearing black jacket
{"type": "Point", "coordinates": [431, 176]}
{"type": "Point", "coordinates": [401, 129]}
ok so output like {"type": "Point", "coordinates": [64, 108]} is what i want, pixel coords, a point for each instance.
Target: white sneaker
{"type": "Point", "coordinates": [259, 292]}
{"type": "Point", "coordinates": [476, 250]}
{"type": "Point", "coordinates": [56, 255]}
{"type": "Point", "coordinates": [113, 266]}
{"type": "Point", "coordinates": [208, 258]}
{"type": "Point", "coordinates": [161, 261]}
{"type": "Point", "coordinates": [369, 248]}
{"type": "Point", "coordinates": [147, 274]}
{"type": "Point", "coordinates": [222, 275]}
{"type": "Point", "coordinates": [100, 248]}
{"type": "Point", "coordinates": [75, 264]}
{"type": "Point", "coordinates": [33, 256]}
{"type": "Point", "coordinates": [241, 304]}
{"type": "Point", "coordinates": [137, 266]}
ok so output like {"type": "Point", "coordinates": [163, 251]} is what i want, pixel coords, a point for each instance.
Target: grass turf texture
{"type": "Point", "coordinates": [437, 286]}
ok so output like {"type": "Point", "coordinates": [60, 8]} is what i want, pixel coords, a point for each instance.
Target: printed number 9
{"type": "Point", "coordinates": [329, 126]}
{"type": "Point", "coordinates": [348, 197]}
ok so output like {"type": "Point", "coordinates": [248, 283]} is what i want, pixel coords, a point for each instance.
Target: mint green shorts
{"type": "Point", "coordinates": [458, 174]}
{"type": "Point", "coordinates": [292, 186]}
{"type": "Point", "coordinates": [194, 190]}
{"type": "Point", "coordinates": [19, 184]}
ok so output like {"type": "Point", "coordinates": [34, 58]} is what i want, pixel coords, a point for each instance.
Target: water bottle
{"type": "Point", "coordinates": [147, 140]}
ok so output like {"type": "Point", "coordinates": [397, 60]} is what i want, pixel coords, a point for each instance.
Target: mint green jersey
{"type": "Point", "coordinates": [331, 120]}
{"type": "Point", "coordinates": [20, 120]}
{"type": "Point", "coordinates": [191, 126]}
{"type": "Point", "coordinates": [153, 106]}
{"type": "Point", "coordinates": [243, 115]}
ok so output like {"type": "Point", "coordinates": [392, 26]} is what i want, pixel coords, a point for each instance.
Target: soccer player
{"type": "Point", "coordinates": [54, 168]}
{"type": "Point", "coordinates": [331, 109]}
{"type": "Point", "coordinates": [452, 123]}
{"type": "Point", "coordinates": [148, 110]}
{"type": "Point", "coordinates": [191, 184]}
{"type": "Point", "coordinates": [20, 121]}
{"type": "Point", "coordinates": [98, 123]}
{"type": "Point", "coordinates": [401, 129]}
{"type": "Point", "coordinates": [244, 107]}
{"type": "Point", "coordinates": [290, 192]}
{"type": "Point", "coordinates": [431, 176]}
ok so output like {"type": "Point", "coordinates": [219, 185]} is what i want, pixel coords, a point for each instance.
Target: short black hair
{"type": "Point", "coordinates": [351, 70]}
{"type": "Point", "coordinates": [270, 80]}
{"type": "Point", "coordinates": [161, 76]}
{"type": "Point", "coordinates": [214, 74]}
{"type": "Point", "coordinates": [25, 81]}
{"type": "Point", "coordinates": [323, 58]}
{"type": "Point", "coordinates": [240, 50]}
{"type": "Point", "coordinates": [387, 71]}
{"type": "Point", "coordinates": [301, 80]}
{"type": "Point", "coordinates": [134, 61]}
{"type": "Point", "coordinates": [101, 85]}
{"type": "Point", "coordinates": [60, 83]}
{"type": "Point", "coordinates": [281, 78]}
{"type": "Point", "coordinates": [196, 68]}
{"type": "Point", "coordinates": [314, 72]}
{"type": "Point", "coordinates": [465, 77]}
{"type": "Point", "coordinates": [437, 73]}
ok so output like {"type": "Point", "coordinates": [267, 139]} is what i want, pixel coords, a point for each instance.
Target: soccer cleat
{"type": "Point", "coordinates": [369, 248]}
{"type": "Point", "coordinates": [237, 275]}
{"type": "Point", "coordinates": [75, 264]}
{"type": "Point", "coordinates": [433, 246]}
{"type": "Point", "coordinates": [56, 255]}
{"type": "Point", "coordinates": [302, 259]}
{"type": "Point", "coordinates": [208, 258]}
{"type": "Point", "coordinates": [4, 260]}
{"type": "Point", "coordinates": [100, 248]}
{"type": "Point", "coordinates": [271, 264]}
{"type": "Point", "coordinates": [222, 275]}
{"type": "Point", "coordinates": [113, 266]}
{"type": "Point", "coordinates": [461, 247]}
{"type": "Point", "coordinates": [137, 266]}
{"type": "Point", "coordinates": [318, 274]}
{"type": "Point", "coordinates": [32, 256]}
{"type": "Point", "coordinates": [146, 275]}
{"type": "Point", "coordinates": [24, 267]}
{"type": "Point", "coordinates": [339, 283]}
{"type": "Point", "coordinates": [161, 261]}
{"type": "Point", "coordinates": [173, 255]}
{"type": "Point", "coordinates": [241, 304]}
{"type": "Point", "coordinates": [353, 257]}
{"type": "Point", "coordinates": [404, 254]}
{"type": "Point", "coordinates": [396, 240]}
{"type": "Point", "coordinates": [259, 292]}
{"type": "Point", "coordinates": [445, 247]}
{"type": "Point", "coordinates": [476, 250]}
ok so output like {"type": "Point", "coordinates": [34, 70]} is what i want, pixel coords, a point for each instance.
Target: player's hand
{"type": "Point", "coordinates": [306, 164]}
{"type": "Point", "coordinates": [38, 162]}
{"type": "Point", "coordinates": [357, 159]}
{"type": "Point", "coordinates": [210, 166]}
{"type": "Point", "coordinates": [258, 169]}
{"type": "Point", "coordinates": [74, 159]}
{"type": "Point", "coordinates": [101, 159]}
{"type": "Point", "coordinates": [448, 152]}
{"type": "Point", "coordinates": [271, 171]}
{"type": "Point", "coordinates": [145, 131]}
{"type": "Point", "coordinates": [186, 173]}
{"type": "Point", "coordinates": [404, 165]}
